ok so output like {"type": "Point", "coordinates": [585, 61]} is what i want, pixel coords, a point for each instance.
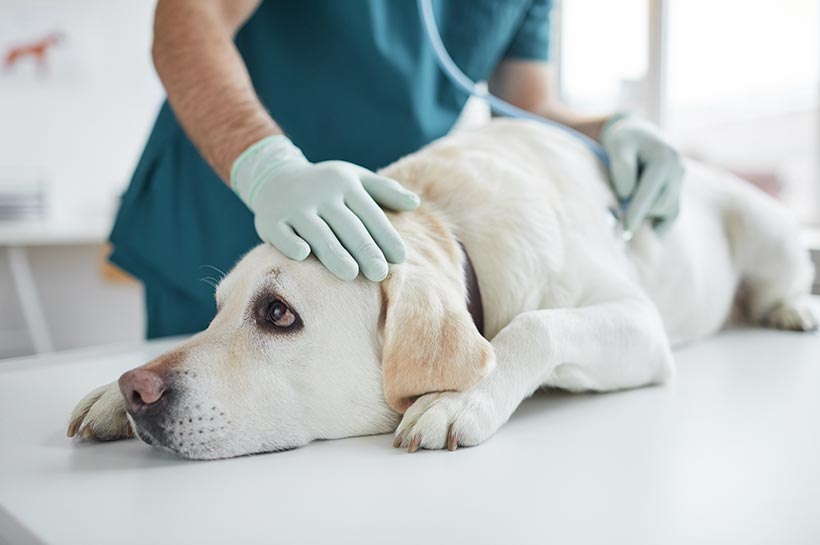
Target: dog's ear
{"type": "Point", "coordinates": [430, 341]}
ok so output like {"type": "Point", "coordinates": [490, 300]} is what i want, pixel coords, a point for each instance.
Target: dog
{"type": "Point", "coordinates": [513, 211]}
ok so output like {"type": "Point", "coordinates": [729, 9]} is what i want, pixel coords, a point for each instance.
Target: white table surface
{"type": "Point", "coordinates": [729, 453]}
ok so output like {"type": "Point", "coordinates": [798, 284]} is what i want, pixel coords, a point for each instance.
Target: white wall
{"type": "Point", "coordinates": [81, 121]}
{"type": "Point", "coordinates": [83, 118]}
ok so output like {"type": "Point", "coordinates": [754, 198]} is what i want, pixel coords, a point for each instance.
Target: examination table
{"type": "Point", "coordinates": [729, 453]}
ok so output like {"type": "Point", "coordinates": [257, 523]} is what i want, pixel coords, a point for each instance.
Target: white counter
{"type": "Point", "coordinates": [730, 453]}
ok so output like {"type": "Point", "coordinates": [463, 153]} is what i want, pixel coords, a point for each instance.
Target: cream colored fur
{"type": "Point", "coordinates": [567, 304]}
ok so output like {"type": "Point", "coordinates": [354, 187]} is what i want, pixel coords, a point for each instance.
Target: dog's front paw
{"type": "Point", "coordinates": [101, 415]}
{"type": "Point", "coordinates": [448, 419]}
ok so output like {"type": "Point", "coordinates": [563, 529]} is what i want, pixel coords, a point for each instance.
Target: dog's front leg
{"type": "Point", "coordinates": [101, 415]}
{"type": "Point", "coordinates": [608, 346]}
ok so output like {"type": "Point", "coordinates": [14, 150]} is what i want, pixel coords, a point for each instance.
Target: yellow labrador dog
{"type": "Point", "coordinates": [295, 354]}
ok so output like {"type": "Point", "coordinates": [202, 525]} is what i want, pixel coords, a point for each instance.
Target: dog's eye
{"type": "Point", "coordinates": [280, 315]}
{"type": "Point", "coordinates": [274, 315]}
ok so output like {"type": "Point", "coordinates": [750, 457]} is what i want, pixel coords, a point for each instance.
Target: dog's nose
{"type": "Point", "coordinates": [141, 388]}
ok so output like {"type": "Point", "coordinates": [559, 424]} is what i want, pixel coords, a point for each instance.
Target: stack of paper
{"type": "Point", "coordinates": [22, 195]}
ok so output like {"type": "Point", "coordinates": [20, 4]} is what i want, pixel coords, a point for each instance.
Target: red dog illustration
{"type": "Point", "coordinates": [37, 49]}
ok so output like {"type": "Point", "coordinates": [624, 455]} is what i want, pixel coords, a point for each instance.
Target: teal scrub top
{"type": "Point", "coordinates": [352, 80]}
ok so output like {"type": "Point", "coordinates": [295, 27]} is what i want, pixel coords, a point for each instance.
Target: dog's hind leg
{"type": "Point", "coordinates": [776, 272]}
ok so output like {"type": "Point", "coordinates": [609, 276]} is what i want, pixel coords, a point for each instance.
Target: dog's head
{"type": "Point", "coordinates": [295, 354]}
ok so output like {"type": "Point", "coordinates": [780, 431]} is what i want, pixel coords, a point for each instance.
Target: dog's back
{"type": "Point", "coordinates": [531, 205]}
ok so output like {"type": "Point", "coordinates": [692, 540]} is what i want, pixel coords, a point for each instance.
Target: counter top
{"type": "Point", "coordinates": [51, 230]}
{"type": "Point", "coordinates": [728, 453]}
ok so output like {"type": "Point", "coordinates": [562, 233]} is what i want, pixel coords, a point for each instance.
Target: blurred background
{"type": "Point", "coordinates": [734, 83]}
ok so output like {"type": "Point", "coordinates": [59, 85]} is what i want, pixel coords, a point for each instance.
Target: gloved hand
{"type": "Point", "coordinates": [329, 208]}
{"type": "Point", "coordinates": [645, 169]}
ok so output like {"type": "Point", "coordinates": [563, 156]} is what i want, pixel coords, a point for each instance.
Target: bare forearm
{"type": "Point", "coordinates": [529, 85]}
{"type": "Point", "coordinates": [206, 80]}
{"type": "Point", "coordinates": [589, 125]}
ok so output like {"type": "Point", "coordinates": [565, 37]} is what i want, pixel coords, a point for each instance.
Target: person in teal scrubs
{"type": "Point", "coordinates": [354, 85]}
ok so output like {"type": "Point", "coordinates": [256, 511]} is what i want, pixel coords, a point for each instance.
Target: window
{"type": "Point", "coordinates": [743, 92]}
{"type": "Point", "coordinates": [734, 83]}
{"type": "Point", "coordinates": [601, 50]}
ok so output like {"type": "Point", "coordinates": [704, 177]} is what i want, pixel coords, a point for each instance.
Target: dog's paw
{"type": "Point", "coordinates": [101, 415]}
{"type": "Point", "coordinates": [793, 315]}
{"type": "Point", "coordinates": [447, 420]}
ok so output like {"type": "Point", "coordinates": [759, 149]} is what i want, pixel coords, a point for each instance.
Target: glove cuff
{"type": "Point", "coordinates": [613, 119]}
{"type": "Point", "coordinates": [256, 164]}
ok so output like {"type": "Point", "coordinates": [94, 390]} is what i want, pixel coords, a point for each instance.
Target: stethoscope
{"type": "Point", "coordinates": [455, 75]}
{"type": "Point", "coordinates": [460, 80]}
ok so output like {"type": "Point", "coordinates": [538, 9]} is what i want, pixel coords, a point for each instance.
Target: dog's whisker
{"type": "Point", "coordinates": [222, 273]}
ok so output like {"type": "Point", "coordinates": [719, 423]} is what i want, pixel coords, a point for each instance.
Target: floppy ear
{"type": "Point", "coordinates": [430, 341]}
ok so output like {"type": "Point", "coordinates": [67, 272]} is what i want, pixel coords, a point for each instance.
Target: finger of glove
{"type": "Point", "coordinates": [285, 240]}
{"type": "Point", "coordinates": [624, 171]}
{"type": "Point", "coordinates": [667, 201]}
{"type": "Point", "coordinates": [389, 193]}
{"type": "Point", "coordinates": [649, 186]}
{"type": "Point", "coordinates": [662, 226]}
{"type": "Point", "coordinates": [354, 236]}
{"type": "Point", "coordinates": [326, 247]}
{"type": "Point", "coordinates": [377, 224]}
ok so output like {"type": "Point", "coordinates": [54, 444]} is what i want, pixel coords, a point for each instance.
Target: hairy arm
{"type": "Point", "coordinates": [529, 85]}
{"type": "Point", "coordinates": [206, 80]}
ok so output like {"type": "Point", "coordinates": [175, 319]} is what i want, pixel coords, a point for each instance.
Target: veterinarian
{"type": "Point", "coordinates": [355, 86]}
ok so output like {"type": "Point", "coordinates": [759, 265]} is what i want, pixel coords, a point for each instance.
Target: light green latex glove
{"type": "Point", "coordinates": [329, 208]}
{"type": "Point", "coordinates": [646, 171]}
